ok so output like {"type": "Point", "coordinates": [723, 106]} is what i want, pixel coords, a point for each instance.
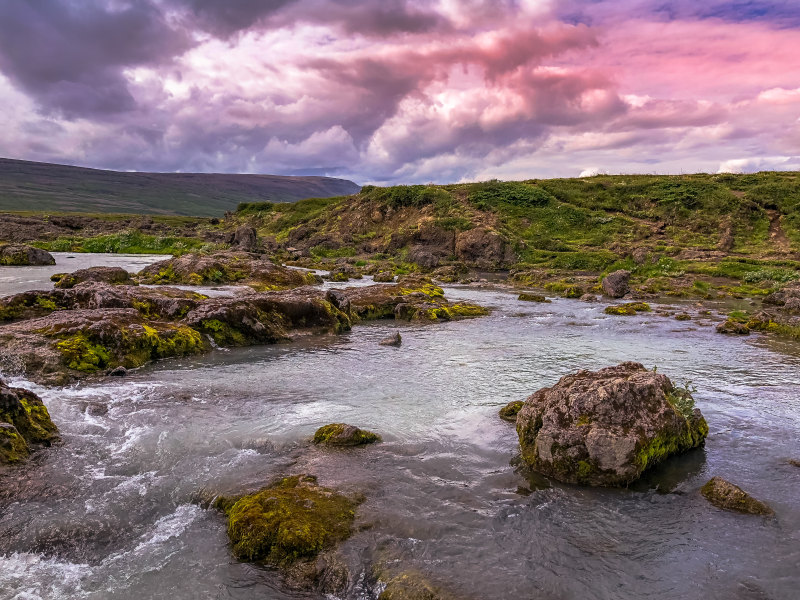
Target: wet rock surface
{"type": "Point", "coordinates": [606, 427]}
{"type": "Point", "coordinates": [24, 424]}
{"type": "Point", "coordinates": [728, 496]}
{"type": "Point", "coordinates": [392, 340]}
{"type": "Point", "coordinates": [110, 275]}
{"type": "Point", "coordinates": [509, 411]}
{"type": "Point", "coordinates": [18, 255]}
{"type": "Point", "coordinates": [617, 284]}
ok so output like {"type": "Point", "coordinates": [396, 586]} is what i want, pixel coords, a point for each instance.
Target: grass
{"type": "Point", "coordinates": [128, 242]}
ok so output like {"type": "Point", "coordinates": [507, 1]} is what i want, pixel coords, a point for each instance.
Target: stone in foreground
{"type": "Point", "coordinates": [392, 340]}
{"type": "Point", "coordinates": [605, 427]}
{"type": "Point", "coordinates": [341, 434]}
{"type": "Point", "coordinates": [725, 495]}
{"type": "Point", "coordinates": [24, 422]}
{"type": "Point", "coordinates": [291, 520]}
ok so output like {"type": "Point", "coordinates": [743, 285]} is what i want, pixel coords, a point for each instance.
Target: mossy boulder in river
{"type": "Point", "coordinates": [291, 520]}
{"type": "Point", "coordinates": [226, 268]}
{"type": "Point", "coordinates": [509, 411]}
{"type": "Point", "coordinates": [411, 585]}
{"type": "Point", "coordinates": [341, 434]}
{"type": "Point", "coordinates": [24, 423]}
{"type": "Point", "coordinates": [629, 309]}
{"type": "Point", "coordinates": [606, 427]}
{"type": "Point", "coordinates": [20, 255]}
{"type": "Point", "coordinates": [725, 495]}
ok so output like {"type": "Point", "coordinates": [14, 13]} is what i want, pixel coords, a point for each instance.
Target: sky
{"type": "Point", "coordinates": [403, 91]}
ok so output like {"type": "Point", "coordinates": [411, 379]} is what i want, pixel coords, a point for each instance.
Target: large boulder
{"type": "Point", "coordinates": [617, 284]}
{"type": "Point", "coordinates": [245, 238]}
{"type": "Point", "coordinates": [483, 248]}
{"type": "Point", "coordinates": [17, 255]}
{"type": "Point", "coordinates": [24, 424]}
{"type": "Point", "coordinates": [606, 427]}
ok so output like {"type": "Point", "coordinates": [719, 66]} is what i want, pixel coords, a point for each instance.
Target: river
{"type": "Point", "coordinates": [112, 513]}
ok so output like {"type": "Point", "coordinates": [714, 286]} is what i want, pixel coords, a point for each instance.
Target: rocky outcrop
{"type": "Point", "coordinates": [292, 520]}
{"type": "Point", "coordinates": [226, 268]}
{"type": "Point", "coordinates": [18, 255]}
{"type": "Point", "coordinates": [725, 495]}
{"type": "Point", "coordinates": [245, 238]}
{"type": "Point", "coordinates": [411, 298]}
{"type": "Point", "coordinates": [484, 248]}
{"type": "Point", "coordinates": [617, 284]}
{"type": "Point", "coordinates": [341, 434]}
{"type": "Point", "coordinates": [24, 424]}
{"type": "Point", "coordinates": [383, 277]}
{"type": "Point", "coordinates": [606, 427]}
{"type": "Point", "coordinates": [92, 328]}
{"type": "Point", "coordinates": [110, 275]}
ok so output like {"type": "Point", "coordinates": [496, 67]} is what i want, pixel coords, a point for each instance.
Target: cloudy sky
{"type": "Point", "coordinates": [403, 90]}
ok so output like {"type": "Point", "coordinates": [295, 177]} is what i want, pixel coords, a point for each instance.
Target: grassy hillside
{"type": "Point", "coordinates": [48, 187]}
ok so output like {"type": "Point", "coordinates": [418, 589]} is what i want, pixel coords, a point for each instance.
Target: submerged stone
{"type": "Point", "coordinates": [341, 434]}
{"type": "Point", "coordinates": [728, 496]}
{"type": "Point", "coordinates": [290, 520]}
{"type": "Point", "coordinates": [631, 308]}
{"type": "Point", "coordinates": [392, 340]}
{"type": "Point", "coordinates": [606, 427]}
{"type": "Point", "coordinates": [532, 298]}
{"type": "Point", "coordinates": [733, 327]}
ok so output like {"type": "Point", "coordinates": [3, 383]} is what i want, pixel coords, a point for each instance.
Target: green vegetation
{"type": "Point", "coordinates": [292, 519]}
{"type": "Point", "coordinates": [628, 309]}
{"type": "Point", "coordinates": [128, 242]}
{"type": "Point", "coordinates": [340, 434]}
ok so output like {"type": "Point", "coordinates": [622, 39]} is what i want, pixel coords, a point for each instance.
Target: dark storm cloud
{"type": "Point", "coordinates": [226, 17]}
{"type": "Point", "coordinates": [70, 56]}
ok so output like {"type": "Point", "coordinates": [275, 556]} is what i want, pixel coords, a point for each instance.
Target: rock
{"type": "Point", "coordinates": [109, 275]}
{"type": "Point", "coordinates": [14, 255]}
{"type": "Point", "coordinates": [449, 273]}
{"type": "Point", "coordinates": [245, 238]}
{"type": "Point", "coordinates": [617, 284]}
{"type": "Point", "coordinates": [118, 372]}
{"type": "Point", "coordinates": [392, 340]}
{"type": "Point", "coordinates": [640, 255]}
{"type": "Point", "coordinates": [725, 495]}
{"type": "Point", "coordinates": [733, 327]}
{"type": "Point", "coordinates": [341, 434]}
{"type": "Point", "coordinates": [24, 423]}
{"type": "Point", "coordinates": [483, 248]}
{"type": "Point", "coordinates": [631, 308]}
{"type": "Point", "coordinates": [606, 427]}
{"type": "Point", "coordinates": [410, 585]}
{"type": "Point", "coordinates": [509, 411]}
{"type": "Point", "coordinates": [532, 298]}
{"type": "Point", "coordinates": [383, 277]}
{"type": "Point", "coordinates": [589, 298]}
{"type": "Point", "coordinates": [290, 520]}
{"type": "Point", "coordinates": [226, 268]}
{"type": "Point", "coordinates": [683, 317]}
{"type": "Point", "coordinates": [794, 463]}
{"type": "Point", "coordinates": [343, 273]}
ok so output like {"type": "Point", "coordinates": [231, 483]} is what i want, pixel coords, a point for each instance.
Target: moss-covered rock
{"type": "Point", "coordinates": [24, 424]}
{"type": "Point", "coordinates": [109, 275]}
{"type": "Point", "coordinates": [510, 410]}
{"type": "Point", "coordinates": [527, 297]}
{"type": "Point", "coordinates": [725, 495]}
{"type": "Point", "coordinates": [341, 434]}
{"type": "Point", "coordinates": [293, 519]}
{"type": "Point", "coordinates": [733, 327]}
{"type": "Point", "coordinates": [607, 427]}
{"type": "Point", "coordinates": [411, 585]}
{"type": "Point", "coordinates": [628, 309]}
{"type": "Point", "coordinates": [19, 255]}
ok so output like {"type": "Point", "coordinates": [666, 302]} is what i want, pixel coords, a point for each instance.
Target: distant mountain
{"type": "Point", "coordinates": [38, 186]}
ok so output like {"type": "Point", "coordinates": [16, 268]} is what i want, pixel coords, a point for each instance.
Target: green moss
{"type": "Point", "coordinates": [292, 519]}
{"type": "Point", "coordinates": [341, 434]}
{"type": "Point", "coordinates": [565, 289]}
{"type": "Point", "coordinates": [585, 470]}
{"type": "Point", "coordinates": [80, 354]}
{"type": "Point", "coordinates": [13, 447]}
{"type": "Point", "coordinates": [429, 289]}
{"type": "Point", "coordinates": [45, 303]}
{"type": "Point", "coordinates": [532, 298]}
{"type": "Point", "coordinates": [454, 311]}
{"type": "Point", "coordinates": [222, 333]}
{"type": "Point", "coordinates": [631, 308]}
{"type": "Point", "coordinates": [510, 410]}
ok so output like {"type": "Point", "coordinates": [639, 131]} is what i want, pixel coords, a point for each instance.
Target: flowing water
{"type": "Point", "coordinates": [113, 512]}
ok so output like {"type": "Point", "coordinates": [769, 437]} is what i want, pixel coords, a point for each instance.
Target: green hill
{"type": "Point", "coordinates": [33, 186]}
